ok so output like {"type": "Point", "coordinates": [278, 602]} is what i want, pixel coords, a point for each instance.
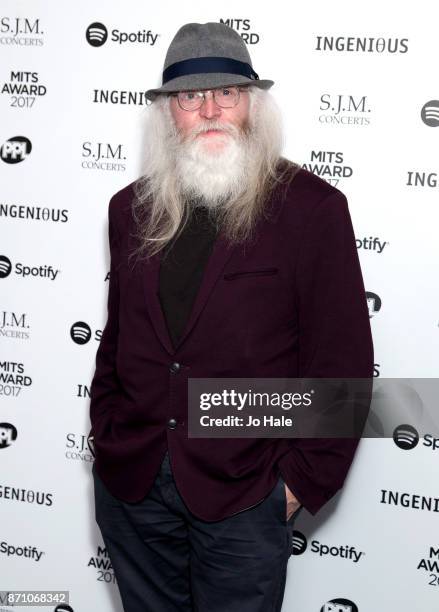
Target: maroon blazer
{"type": "Point", "coordinates": [294, 306]}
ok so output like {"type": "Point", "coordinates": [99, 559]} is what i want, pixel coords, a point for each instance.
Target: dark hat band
{"type": "Point", "coordinates": [201, 65]}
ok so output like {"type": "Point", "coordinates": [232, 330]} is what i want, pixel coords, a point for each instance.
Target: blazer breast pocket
{"type": "Point", "coordinates": [250, 273]}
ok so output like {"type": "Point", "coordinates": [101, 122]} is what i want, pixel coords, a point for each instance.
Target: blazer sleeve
{"type": "Point", "coordinates": [335, 341]}
{"type": "Point", "coordinates": [105, 386]}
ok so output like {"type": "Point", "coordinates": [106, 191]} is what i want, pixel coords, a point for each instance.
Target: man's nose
{"type": "Point", "coordinates": [209, 108]}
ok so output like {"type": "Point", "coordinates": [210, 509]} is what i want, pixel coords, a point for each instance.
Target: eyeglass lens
{"type": "Point", "coordinates": [225, 97]}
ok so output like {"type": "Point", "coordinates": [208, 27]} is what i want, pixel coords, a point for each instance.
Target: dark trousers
{"type": "Point", "coordinates": [165, 559]}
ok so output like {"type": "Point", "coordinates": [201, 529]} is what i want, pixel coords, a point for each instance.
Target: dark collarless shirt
{"type": "Point", "coordinates": [181, 269]}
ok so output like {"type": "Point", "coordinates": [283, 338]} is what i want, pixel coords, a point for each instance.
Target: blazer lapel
{"type": "Point", "coordinates": [221, 252]}
{"type": "Point", "coordinates": [150, 277]}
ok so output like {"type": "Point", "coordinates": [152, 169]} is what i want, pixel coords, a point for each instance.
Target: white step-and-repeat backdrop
{"type": "Point", "coordinates": [359, 89]}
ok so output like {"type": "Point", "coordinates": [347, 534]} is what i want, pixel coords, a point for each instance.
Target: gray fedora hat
{"type": "Point", "coordinates": [205, 56]}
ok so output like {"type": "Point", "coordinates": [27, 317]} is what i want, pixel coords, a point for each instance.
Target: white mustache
{"type": "Point", "coordinates": [228, 129]}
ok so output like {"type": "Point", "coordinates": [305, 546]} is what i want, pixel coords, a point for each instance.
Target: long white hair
{"type": "Point", "coordinates": [233, 186]}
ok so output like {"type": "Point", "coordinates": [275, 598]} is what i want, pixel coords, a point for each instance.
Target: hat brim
{"type": "Point", "coordinates": [206, 81]}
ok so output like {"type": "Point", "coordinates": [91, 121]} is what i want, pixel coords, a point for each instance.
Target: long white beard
{"type": "Point", "coordinates": [210, 173]}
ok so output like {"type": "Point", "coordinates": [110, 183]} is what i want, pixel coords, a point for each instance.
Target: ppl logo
{"type": "Point", "coordinates": [15, 149]}
{"type": "Point", "coordinates": [8, 433]}
{"type": "Point", "coordinates": [96, 34]}
{"type": "Point", "coordinates": [405, 437]}
{"type": "Point", "coordinates": [430, 113]}
{"type": "Point", "coordinates": [339, 605]}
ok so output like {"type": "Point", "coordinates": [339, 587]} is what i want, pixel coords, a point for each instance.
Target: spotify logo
{"type": "Point", "coordinates": [80, 332]}
{"type": "Point", "coordinates": [299, 543]}
{"type": "Point", "coordinates": [430, 113]}
{"type": "Point", "coordinates": [405, 437]}
{"type": "Point", "coordinates": [96, 34]}
{"type": "Point", "coordinates": [373, 303]}
{"type": "Point", "coordinates": [5, 266]}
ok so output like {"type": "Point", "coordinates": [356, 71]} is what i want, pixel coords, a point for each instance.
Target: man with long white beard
{"type": "Point", "coordinates": [227, 260]}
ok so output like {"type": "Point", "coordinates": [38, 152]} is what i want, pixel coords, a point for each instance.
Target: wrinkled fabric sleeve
{"type": "Point", "coordinates": [105, 385]}
{"type": "Point", "coordinates": [335, 341]}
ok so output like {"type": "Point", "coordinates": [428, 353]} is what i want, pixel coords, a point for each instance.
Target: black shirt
{"type": "Point", "coordinates": [182, 266]}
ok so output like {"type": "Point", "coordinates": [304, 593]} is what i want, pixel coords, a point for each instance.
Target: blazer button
{"type": "Point", "coordinates": [174, 368]}
{"type": "Point", "coordinates": [172, 423]}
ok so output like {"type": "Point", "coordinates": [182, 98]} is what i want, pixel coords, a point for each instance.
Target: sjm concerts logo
{"type": "Point", "coordinates": [13, 325]}
{"type": "Point", "coordinates": [344, 109]}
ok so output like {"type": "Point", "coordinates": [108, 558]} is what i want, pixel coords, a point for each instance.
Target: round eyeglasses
{"type": "Point", "coordinates": [225, 97]}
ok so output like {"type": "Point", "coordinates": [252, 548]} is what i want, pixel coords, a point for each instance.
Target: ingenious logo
{"type": "Point", "coordinates": [421, 178]}
{"type": "Point", "coordinates": [361, 44]}
{"type": "Point", "coordinates": [28, 496]}
{"type": "Point", "coordinates": [123, 97]}
{"type": "Point", "coordinates": [410, 500]}
{"type": "Point", "coordinates": [82, 391]}
{"type": "Point", "coordinates": [34, 213]}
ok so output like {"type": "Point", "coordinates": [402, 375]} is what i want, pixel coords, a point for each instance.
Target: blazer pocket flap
{"type": "Point", "coordinates": [247, 273]}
